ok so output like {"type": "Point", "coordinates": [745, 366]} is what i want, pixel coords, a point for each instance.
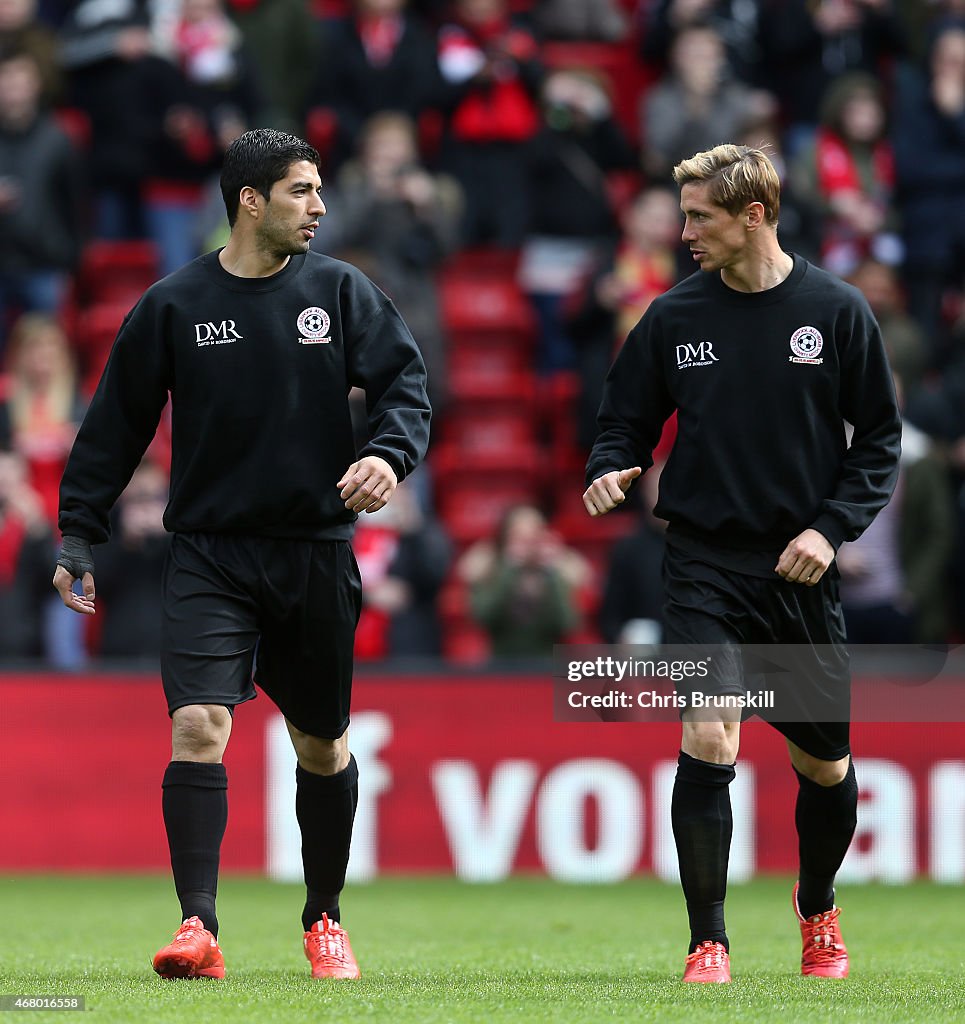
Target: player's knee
{"type": "Point", "coordinates": [200, 731]}
{"type": "Point", "coordinates": [714, 742]}
{"type": "Point", "coordinates": [320, 756]}
{"type": "Point", "coordinates": [824, 773]}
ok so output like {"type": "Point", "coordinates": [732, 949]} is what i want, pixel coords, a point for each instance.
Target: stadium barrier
{"type": "Point", "coordinates": [460, 773]}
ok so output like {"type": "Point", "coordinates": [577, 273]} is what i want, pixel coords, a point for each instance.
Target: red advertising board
{"type": "Point", "coordinates": [459, 774]}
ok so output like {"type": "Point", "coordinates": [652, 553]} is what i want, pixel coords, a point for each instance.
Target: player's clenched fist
{"type": "Point", "coordinates": [609, 490]}
{"type": "Point", "coordinates": [367, 485]}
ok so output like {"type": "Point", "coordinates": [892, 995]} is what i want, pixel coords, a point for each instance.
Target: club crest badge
{"type": "Point", "coordinates": [313, 326]}
{"type": "Point", "coordinates": [806, 345]}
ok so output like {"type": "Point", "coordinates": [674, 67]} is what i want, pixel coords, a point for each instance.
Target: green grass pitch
{"type": "Point", "coordinates": [435, 951]}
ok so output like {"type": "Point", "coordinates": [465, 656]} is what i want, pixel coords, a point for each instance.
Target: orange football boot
{"type": "Point", "coordinates": [709, 962]}
{"type": "Point", "coordinates": [823, 953]}
{"type": "Point", "coordinates": [193, 953]}
{"type": "Point", "coordinates": [329, 951]}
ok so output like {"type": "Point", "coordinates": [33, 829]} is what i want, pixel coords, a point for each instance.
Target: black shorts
{"type": "Point", "coordinates": [283, 610]}
{"type": "Point", "coordinates": [709, 605]}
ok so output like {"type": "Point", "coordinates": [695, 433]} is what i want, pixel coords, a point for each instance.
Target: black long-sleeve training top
{"type": "Point", "coordinates": [763, 383]}
{"type": "Point", "coordinates": [259, 371]}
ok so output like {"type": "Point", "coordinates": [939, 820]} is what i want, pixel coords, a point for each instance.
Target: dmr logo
{"type": "Point", "coordinates": [216, 334]}
{"type": "Point", "coordinates": [701, 354]}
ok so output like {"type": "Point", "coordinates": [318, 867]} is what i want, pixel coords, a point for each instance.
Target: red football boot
{"type": "Point", "coordinates": [329, 951]}
{"type": "Point", "coordinates": [823, 953]}
{"type": "Point", "coordinates": [193, 953]}
{"type": "Point", "coordinates": [709, 962]}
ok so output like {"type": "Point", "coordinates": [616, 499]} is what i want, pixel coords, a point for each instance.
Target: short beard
{"type": "Point", "coordinates": [281, 248]}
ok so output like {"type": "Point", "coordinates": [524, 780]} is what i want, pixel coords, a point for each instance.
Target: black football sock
{"type": "Point", "coordinates": [826, 817]}
{"type": "Point", "coordinates": [194, 801]}
{"type": "Point", "coordinates": [325, 808]}
{"type": "Point", "coordinates": [702, 827]}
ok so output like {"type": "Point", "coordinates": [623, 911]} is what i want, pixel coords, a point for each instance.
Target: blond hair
{"type": "Point", "coordinates": [737, 175]}
{"type": "Point", "coordinates": [61, 390]}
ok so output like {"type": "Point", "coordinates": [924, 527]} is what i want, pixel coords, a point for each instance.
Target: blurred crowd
{"type": "Point", "coordinates": [541, 130]}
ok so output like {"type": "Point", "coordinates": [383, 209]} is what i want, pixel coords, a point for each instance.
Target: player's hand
{"type": "Point", "coordinates": [806, 558]}
{"type": "Point", "coordinates": [75, 562]}
{"type": "Point", "coordinates": [609, 490]}
{"type": "Point", "coordinates": [367, 485]}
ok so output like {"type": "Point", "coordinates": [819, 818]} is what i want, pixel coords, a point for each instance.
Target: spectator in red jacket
{"type": "Point", "coordinates": [848, 174]}
{"type": "Point", "coordinates": [491, 71]}
{"type": "Point", "coordinates": [43, 407]}
{"type": "Point", "coordinates": [41, 204]}
{"type": "Point", "coordinates": [377, 58]}
{"type": "Point", "coordinates": [26, 544]}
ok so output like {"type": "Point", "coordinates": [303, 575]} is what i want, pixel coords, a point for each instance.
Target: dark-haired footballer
{"type": "Point", "coordinates": [765, 358]}
{"type": "Point", "coordinates": [258, 345]}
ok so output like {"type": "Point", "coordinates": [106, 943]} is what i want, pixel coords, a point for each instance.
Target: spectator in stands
{"type": "Point", "coordinates": [736, 21]}
{"type": "Point", "coordinates": [107, 51]}
{"type": "Point", "coordinates": [38, 421]}
{"type": "Point", "coordinates": [800, 228]}
{"type": "Point", "coordinates": [285, 46]}
{"type": "Point", "coordinates": [523, 585]}
{"type": "Point", "coordinates": [583, 20]}
{"type": "Point", "coordinates": [929, 139]}
{"type": "Point", "coordinates": [572, 218]}
{"type": "Point", "coordinates": [847, 172]}
{"type": "Point", "coordinates": [26, 545]}
{"type": "Point", "coordinates": [903, 338]}
{"type": "Point", "coordinates": [129, 568]}
{"type": "Point", "coordinates": [631, 609]}
{"type": "Point", "coordinates": [644, 264]}
{"type": "Point", "coordinates": [21, 31]}
{"type": "Point", "coordinates": [198, 108]}
{"type": "Point", "coordinates": [920, 18]}
{"type": "Point", "coordinates": [40, 196]}
{"type": "Point", "coordinates": [894, 578]}
{"type": "Point", "coordinates": [403, 558]}
{"type": "Point", "coordinates": [43, 407]}
{"type": "Point", "coordinates": [807, 44]}
{"type": "Point", "coordinates": [696, 104]}
{"type": "Point", "coordinates": [491, 71]}
{"type": "Point", "coordinates": [398, 222]}
{"type": "Point", "coordinates": [377, 58]}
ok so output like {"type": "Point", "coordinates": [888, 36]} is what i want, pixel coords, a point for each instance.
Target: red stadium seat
{"type": "Point", "coordinates": [557, 401]}
{"type": "Point", "coordinates": [487, 304]}
{"type": "Point", "coordinates": [97, 328]}
{"type": "Point", "coordinates": [75, 123]}
{"type": "Point", "coordinates": [465, 643]}
{"type": "Point", "coordinates": [484, 261]}
{"type": "Point", "coordinates": [486, 430]}
{"type": "Point", "coordinates": [116, 272]}
{"type": "Point", "coordinates": [472, 507]}
{"type": "Point", "coordinates": [487, 361]}
{"type": "Point", "coordinates": [456, 463]}
{"type": "Point", "coordinates": [431, 127]}
{"type": "Point", "coordinates": [517, 387]}
{"type": "Point", "coordinates": [321, 125]}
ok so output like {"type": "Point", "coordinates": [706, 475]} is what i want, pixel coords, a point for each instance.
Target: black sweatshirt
{"type": "Point", "coordinates": [259, 371]}
{"type": "Point", "coordinates": [762, 383]}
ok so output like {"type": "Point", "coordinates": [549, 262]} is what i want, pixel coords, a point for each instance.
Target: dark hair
{"type": "Point", "coordinates": [11, 52]}
{"type": "Point", "coordinates": [258, 159]}
{"type": "Point", "coordinates": [842, 91]}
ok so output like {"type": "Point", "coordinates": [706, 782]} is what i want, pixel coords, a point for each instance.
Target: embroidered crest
{"type": "Point", "coordinates": [806, 345]}
{"type": "Point", "coordinates": [313, 326]}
